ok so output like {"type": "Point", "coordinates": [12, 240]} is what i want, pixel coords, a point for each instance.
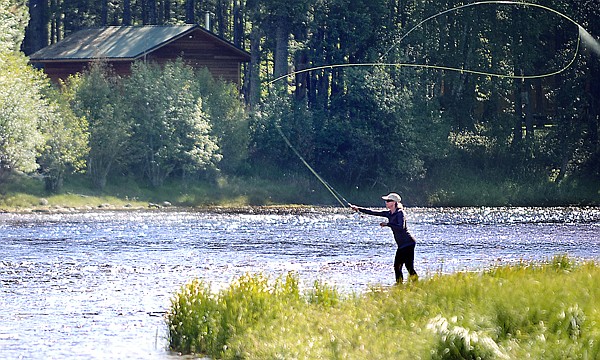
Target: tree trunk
{"type": "Point", "coordinates": [54, 22]}
{"type": "Point", "coordinates": [36, 34]}
{"type": "Point", "coordinates": [54, 179]}
{"type": "Point", "coordinates": [97, 171]}
{"type": "Point", "coordinates": [104, 13]}
{"type": "Point", "coordinates": [318, 58]}
{"type": "Point", "coordinates": [301, 78]}
{"type": "Point", "coordinates": [127, 12]}
{"type": "Point", "coordinates": [442, 49]}
{"type": "Point", "coordinates": [238, 24]}
{"type": "Point", "coordinates": [462, 85]}
{"type": "Point", "coordinates": [518, 127]}
{"type": "Point", "coordinates": [517, 60]}
{"type": "Point", "coordinates": [190, 15]}
{"type": "Point", "coordinates": [144, 10]}
{"type": "Point", "coordinates": [528, 111]}
{"type": "Point", "coordinates": [491, 111]}
{"type": "Point", "coordinates": [593, 112]}
{"type": "Point", "coordinates": [152, 15]}
{"type": "Point", "coordinates": [254, 91]}
{"type": "Point", "coordinates": [221, 23]}
{"type": "Point", "coordinates": [166, 11]}
{"type": "Point", "coordinates": [280, 68]}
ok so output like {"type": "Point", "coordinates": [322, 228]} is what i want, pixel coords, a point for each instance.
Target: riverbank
{"type": "Point", "coordinates": [27, 194]}
{"type": "Point", "coordinates": [530, 310]}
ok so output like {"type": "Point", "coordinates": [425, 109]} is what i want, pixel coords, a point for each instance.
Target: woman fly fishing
{"type": "Point", "coordinates": [405, 254]}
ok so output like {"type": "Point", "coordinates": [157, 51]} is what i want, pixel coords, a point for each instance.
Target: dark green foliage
{"type": "Point", "coordinates": [440, 137]}
{"type": "Point", "coordinates": [444, 137]}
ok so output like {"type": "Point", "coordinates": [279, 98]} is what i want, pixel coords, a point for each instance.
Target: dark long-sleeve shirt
{"type": "Point", "coordinates": [397, 222]}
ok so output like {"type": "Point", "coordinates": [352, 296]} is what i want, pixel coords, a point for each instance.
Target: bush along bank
{"type": "Point", "coordinates": [530, 310]}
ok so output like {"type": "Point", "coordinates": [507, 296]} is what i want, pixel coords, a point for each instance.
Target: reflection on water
{"type": "Point", "coordinates": [96, 285]}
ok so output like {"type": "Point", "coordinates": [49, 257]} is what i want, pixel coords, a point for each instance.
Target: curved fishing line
{"type": "Point", "coordinates": [335, 193]}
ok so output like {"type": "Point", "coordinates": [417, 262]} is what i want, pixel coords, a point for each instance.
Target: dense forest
{"type": "Point", "coordinates": [491, 104]}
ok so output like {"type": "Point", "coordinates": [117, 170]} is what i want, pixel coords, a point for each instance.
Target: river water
{"type": "Point", "coordinates": [97, 284]}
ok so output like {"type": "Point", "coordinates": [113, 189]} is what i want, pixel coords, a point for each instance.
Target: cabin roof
{"type": "Point", "coordinates": [122, 43]}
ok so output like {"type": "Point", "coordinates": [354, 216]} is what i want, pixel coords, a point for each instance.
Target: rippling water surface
{"type": "Point", "coordinates": [96, 284]}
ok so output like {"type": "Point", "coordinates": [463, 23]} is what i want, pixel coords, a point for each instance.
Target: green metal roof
{"type": "Point", "coordinates": [115, 43]}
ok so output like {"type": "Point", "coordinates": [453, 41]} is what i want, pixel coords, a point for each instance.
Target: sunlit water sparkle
{"type": "Point", "coordinates": [96, 284]}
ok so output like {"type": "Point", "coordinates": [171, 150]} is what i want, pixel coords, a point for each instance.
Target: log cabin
{"type": "Point", "coordinates": [120, 46]}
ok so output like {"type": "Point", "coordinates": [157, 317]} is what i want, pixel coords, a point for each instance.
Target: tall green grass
{"type": "Point", "coordinates": [531, 310]}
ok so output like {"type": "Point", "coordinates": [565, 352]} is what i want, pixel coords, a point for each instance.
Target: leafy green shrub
{"type": "Point", "coordinates": [201, 322]}
{"type": "Point", "coordinates": [191, 319]}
